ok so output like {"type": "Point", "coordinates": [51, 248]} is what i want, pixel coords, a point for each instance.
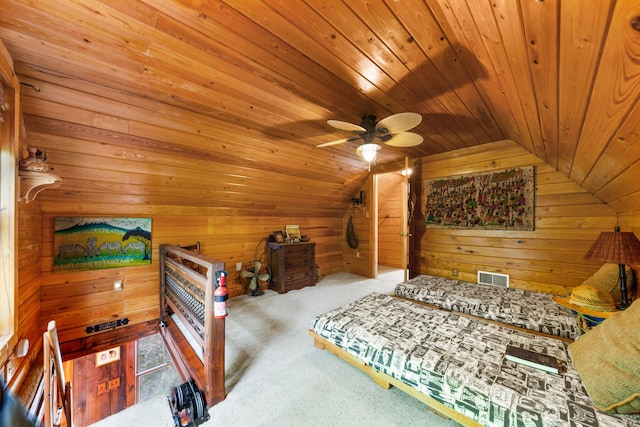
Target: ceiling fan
{"type": "Point", "coordinates": [391, 131]}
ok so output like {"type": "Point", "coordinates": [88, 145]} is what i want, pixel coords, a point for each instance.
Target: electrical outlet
{"type": "Point", "coordinates": [455, 271]}
{"type": "Point", "coordinates": [238, 266]}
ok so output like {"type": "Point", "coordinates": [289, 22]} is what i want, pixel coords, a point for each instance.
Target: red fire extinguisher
{"type": "Point", "coordinates": [220, 297]}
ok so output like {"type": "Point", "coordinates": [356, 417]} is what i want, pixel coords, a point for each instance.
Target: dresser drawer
{"type": "Point", "coordinates": [295, 275]}
{"type": "Point", "coordinates": [294, 261]}
{"type": "Point", "coordinates": [293, 266]}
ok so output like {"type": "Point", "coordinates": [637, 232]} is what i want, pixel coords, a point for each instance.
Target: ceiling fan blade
{"type": "Point", "coordinates": [400, 122]}
{"type": "Point", "coordinates": [246, 274]}
{"type": "Point", "coordinates": [346, 126]}
{"type": "Point", "coordinates": [405, 139]}
{"type": "Point", "coordinates": [339, 141]}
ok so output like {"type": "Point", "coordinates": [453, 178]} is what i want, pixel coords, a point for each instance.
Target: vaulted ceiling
{"type": "Point", "coordinates": [248, 86]}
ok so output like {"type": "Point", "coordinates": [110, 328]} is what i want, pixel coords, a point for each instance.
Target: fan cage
{"type": "Point", "coordinates": [250, 266]}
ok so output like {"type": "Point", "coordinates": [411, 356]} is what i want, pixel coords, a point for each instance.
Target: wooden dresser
{"type": "Point", "coordinates": [293, 266]}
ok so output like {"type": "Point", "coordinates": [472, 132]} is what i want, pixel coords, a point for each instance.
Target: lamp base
{"type": "Point", "coordinates": [622, 306]}
{"type": "Point", "coordinates": [623, 288]}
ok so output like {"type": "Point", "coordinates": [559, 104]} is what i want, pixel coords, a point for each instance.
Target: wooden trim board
{"type": "Point", "coordinates": [386, 381]}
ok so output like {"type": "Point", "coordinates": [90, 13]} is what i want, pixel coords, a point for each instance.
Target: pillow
{"type": "Point", "coordinates": [607, 358]}
{"type": "Point", "coordinates": [607, 279]}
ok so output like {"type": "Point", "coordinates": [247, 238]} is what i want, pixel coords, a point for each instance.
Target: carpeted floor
{"type": "Point", "coordinates": [276, 377]}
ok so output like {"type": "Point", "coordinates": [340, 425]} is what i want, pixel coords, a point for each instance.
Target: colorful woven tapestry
{"type": "Point", "coordinates": [492, 201]}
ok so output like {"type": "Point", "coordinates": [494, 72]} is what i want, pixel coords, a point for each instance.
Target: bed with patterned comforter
{"type": "Point", "coordinates": [534, 311]}
{"type": "Point", "coordinates": [459, 362]}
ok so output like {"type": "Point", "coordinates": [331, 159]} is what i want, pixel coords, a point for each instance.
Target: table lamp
{"type": "Point", "coordinates": [618, 248]}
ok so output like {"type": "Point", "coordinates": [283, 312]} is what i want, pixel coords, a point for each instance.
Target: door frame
{"type": "Point", "coordinates": [407, 245]}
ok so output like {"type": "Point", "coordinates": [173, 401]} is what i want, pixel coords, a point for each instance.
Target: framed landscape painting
{"type": "Point", "coordinates": [96, 243]}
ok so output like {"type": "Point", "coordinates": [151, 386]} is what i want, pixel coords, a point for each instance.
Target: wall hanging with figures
{"type": "Point", "coordinates": [501, 200]}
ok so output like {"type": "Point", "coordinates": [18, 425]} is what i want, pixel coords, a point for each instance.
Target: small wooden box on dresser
{"type": "Point", "coordinates": [293, 265]}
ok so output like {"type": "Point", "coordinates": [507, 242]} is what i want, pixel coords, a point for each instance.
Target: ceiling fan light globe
{"type": "Point", "coordinates": [368, 151]}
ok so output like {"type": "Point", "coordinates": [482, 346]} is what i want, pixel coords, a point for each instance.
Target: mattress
{"type": "Point", "coordinates": [534, 311]}
{"type": "Point", "coordinates": [459, 361]}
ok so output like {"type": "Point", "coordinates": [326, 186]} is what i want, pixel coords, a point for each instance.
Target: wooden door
{"type": "Point", "coordinates": [395, 215]}
{"type": "Point", "coordinates": [101, 391]}
{"type": "Point", "coordinates": [413, 190]}
{"type": "Point", "coordinates": [404, 215]}
{"type": "Point", "coordinates": [390, 220]}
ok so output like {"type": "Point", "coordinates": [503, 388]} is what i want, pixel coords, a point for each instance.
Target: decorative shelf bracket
{"type": "Point", "coordinates": [32, 183]}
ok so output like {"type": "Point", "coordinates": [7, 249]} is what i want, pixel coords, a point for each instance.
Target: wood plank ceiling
{"type": "Point", "coordinates": [149, 101]}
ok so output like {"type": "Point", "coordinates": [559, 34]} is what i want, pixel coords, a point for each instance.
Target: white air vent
{"type": "Point", "coordinates": [495, 279]}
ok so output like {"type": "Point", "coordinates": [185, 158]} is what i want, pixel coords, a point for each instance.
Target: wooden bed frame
{"type": "Point", "coordinates": [187, 284]}
{"type": "Point", "coordinates": [386, 381]}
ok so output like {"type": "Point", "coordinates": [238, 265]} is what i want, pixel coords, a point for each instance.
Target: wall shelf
{"type": "Point", "coordinates": [32, 183]}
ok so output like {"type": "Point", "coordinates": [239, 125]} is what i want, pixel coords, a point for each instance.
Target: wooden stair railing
{"type": "Point", "coordinates": [57, 391]}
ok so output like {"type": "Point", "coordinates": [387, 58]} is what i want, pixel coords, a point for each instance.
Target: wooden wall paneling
{"type": "Point", "coordinates": [361, 259]}
{"type": "Point", "coordinates": [620, 160]}
{"type": "Point", "coordinates": [549, 259]}
{"type": "Point", "coordinates": [9, 143]}
{"type": "Point", "coordinates": [614, 87]}
{"type": "Point", "coordinates": [289, 158]}
{"type": "Point", "coordinates": [520, 52]}
{"type": "Point", "coordinates": [84, 298]}
{"type": "Point", "coordinates": [253, 85]}
{"type": "Point", "coordinates": [124, 113]}
{"type": "Point", "coordinates": [499, 88]}
{"type": "Point", "coordinates": [307, 37]}
{"type": "Point", "coordinates": [29, 278]}
{"type": "Point", "coordinates": [304, 72]}
{"type": "Point", "coordinates": [587, 35]}
{"type": "Point", "coordinates": [445, 59]}
{"type": "Point", "coordinates": [390, 220]}
{"type": "Point", "coordinates": [541, 32]}
{"type": "Point", "coordinates": [412, 85]}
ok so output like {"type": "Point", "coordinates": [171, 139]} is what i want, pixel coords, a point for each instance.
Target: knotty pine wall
{"type": "Point", "coordinates": [390, 219]}
{"type": "Point", "coordinates": [78, 299]}
{"type": "Point", "coordinates": [550, 259]}
{"type": "Point", "coordinates": [29, 244]}
{"type": "Point", "coordinates": [358, 260]}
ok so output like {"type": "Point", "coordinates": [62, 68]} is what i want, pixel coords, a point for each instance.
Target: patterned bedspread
{"type": "Point", "coordinates": [459, 361]}
{"type": "Point", "coordinates": [534, 311]}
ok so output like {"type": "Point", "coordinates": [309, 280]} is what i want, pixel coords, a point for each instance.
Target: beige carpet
{"type": "Point", "coordinates": [276, 377]}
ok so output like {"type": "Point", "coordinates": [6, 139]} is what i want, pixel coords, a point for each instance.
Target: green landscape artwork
{"type": "Point", "coordinates": [97, 243]}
